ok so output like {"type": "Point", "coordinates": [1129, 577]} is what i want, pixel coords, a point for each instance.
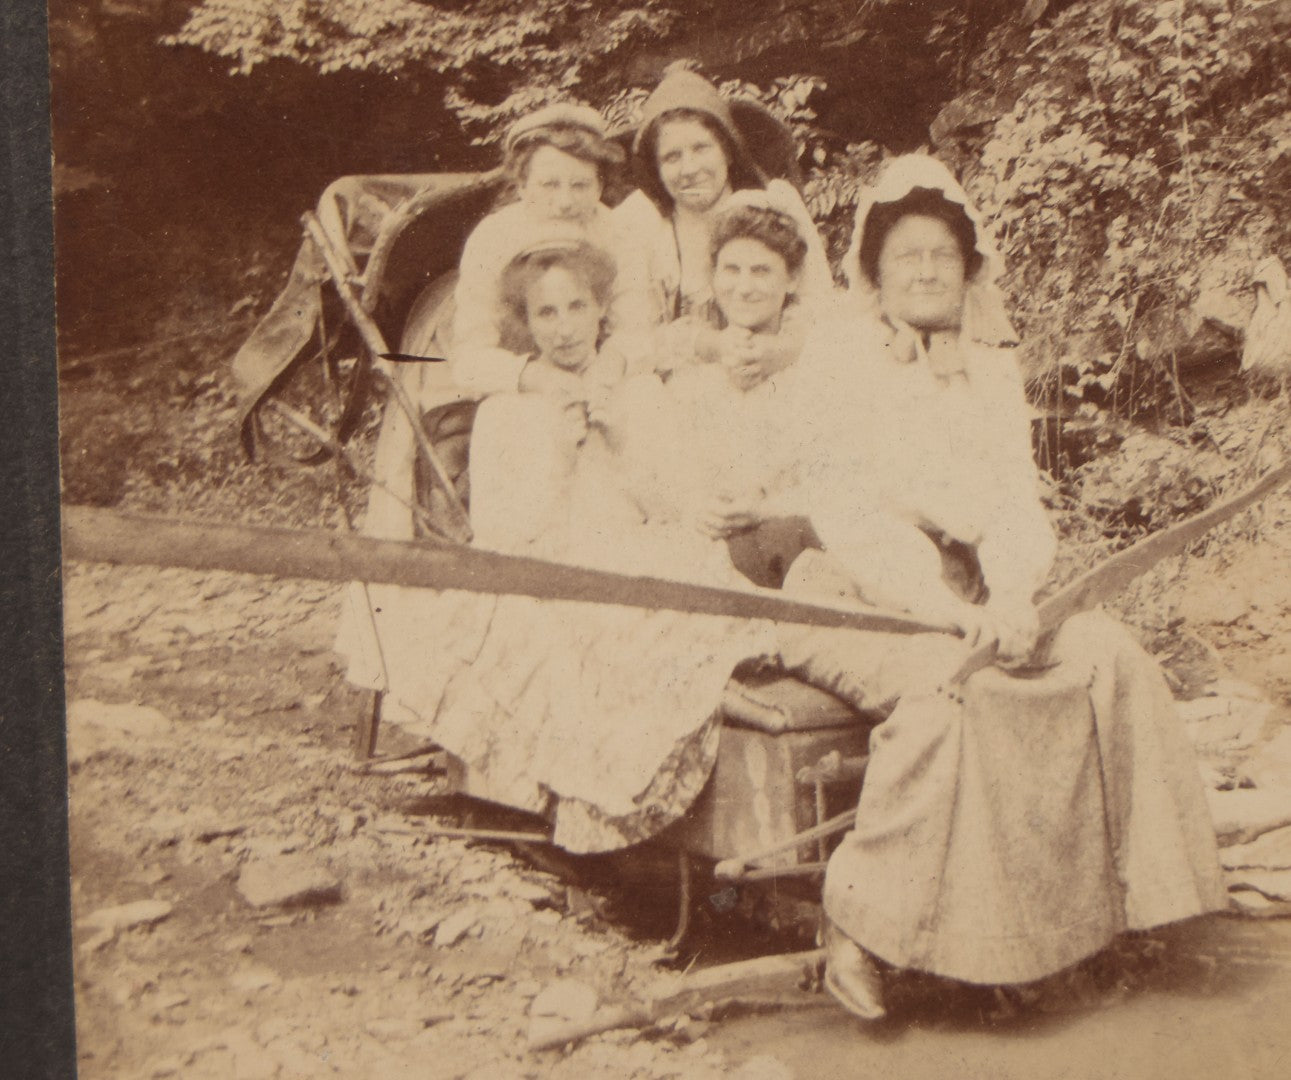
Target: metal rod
{"type": "Point", "coordinates": [767, 873]}
{"type": "Point", "coordinates": [683, 903]}
{"type": "Point", "coordinates": [308, 427]}
{"type": "Point", "coordinates": [734, 868]}
{"type": "Point", "coordinates": [500, 835]}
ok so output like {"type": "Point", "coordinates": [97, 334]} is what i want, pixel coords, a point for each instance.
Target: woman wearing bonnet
{"type": "Point", "coordinates": [1010, 826]}
{"type": "Point", "coordinates": [688, 157]}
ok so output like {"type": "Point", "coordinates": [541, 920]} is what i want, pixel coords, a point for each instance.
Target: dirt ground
{"type": "Point", "coordinates": [210, 763]}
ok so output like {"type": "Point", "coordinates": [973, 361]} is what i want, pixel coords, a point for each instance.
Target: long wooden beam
{"type": "Point", "coordinates": [96, 535]}
{"type": "Point", "coordinates": [1108, 578]}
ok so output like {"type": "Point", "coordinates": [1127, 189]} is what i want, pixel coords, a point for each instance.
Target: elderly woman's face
{"type": "Point", "coordinates": [560, 187]}
{"type": "Point", "coordinates": [692, 164]}
{"type": "Point", "coordinates": [921, 274]}
{"type": "Point", "coordinates": [751, 283]}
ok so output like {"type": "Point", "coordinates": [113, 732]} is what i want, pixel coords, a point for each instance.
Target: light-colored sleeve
{"type": "Point", "coordinates": [817, 280]}
{"type": "Point", "coordinates": [1018, 545]}
{"type": "Point", "coordinates": [634, 232]}
{"type": "Point", "coordinates": [893, 562]}
{"type": "Point", "coordinates": [479, 363]}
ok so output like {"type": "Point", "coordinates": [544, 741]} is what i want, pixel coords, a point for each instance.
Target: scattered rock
{"type": "Point", "coordinates": [207, 831]}
{"type": "Point", "coordinates": [530, 892]}
{"type": "Point", "coordinates": [280, 920]}
{"type": "Point", "coordinates": [1243, 814]}
{"type": "Point", "coordinates": [455, 927]}
{"type": "Point", "coordinates": [253, 980]}
{"type": "Point", "coordinates": [565, 999]}
{"type": "Point", "coordinates": [763, 1067]}
{"type": "Point", "coordinates": [94, 727]}
{"type": "Point", "coordinates": [1235, 688]}
{"type": "Point", "coordinates": [123, 671]}
{"type": "Point", "coordinates": [113, 920]}
{"type": "Point", "coordinates": [1270, 765]}
{"type": "Point", "coordinates": [394, 1028]}
{"type": "Point", "coordinates": [1224, 723]}
{"type": "Point", "coordinates": [250, 1062]}
{"type": "Point", "coordinates": [287, 881]}
{"type": "Point", "coordinates": [239, 943]}
{"type": "Point", "coordinates": [169, 1001]}
{"type": "Point", "coordinates": [1256, 904]}
{"type": "Point", "coordinates": [1271, 884]}
{"type": "Point", "coordinates": [268, 847]}
{"type": "Point", "coordinates": [167, 828]}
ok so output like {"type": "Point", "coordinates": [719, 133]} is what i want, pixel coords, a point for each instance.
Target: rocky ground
{"type": "Point", "coordinates": [250, 902]}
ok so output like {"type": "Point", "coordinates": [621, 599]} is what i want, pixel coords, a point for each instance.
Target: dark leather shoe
{"type": "Point", "coordinates": [851, 976]}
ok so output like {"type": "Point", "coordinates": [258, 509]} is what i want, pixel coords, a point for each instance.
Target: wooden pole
{"type": "Point", "coordinates": [376, 344]}
{"type": "Point", "coordinates": [767, 976]}
{"type": "Point", "coordinates": [1114, 573]}
{"type": "Point", "coordinates": [97, 535]}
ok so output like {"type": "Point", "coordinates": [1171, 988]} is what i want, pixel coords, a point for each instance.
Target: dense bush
{"type": "Point", "coordinates": [1139, 166]}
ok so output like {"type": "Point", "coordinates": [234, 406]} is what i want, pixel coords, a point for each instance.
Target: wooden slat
{"type": "Point", "coordinates": [1104, 581]}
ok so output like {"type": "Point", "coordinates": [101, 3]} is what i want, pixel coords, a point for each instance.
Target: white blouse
{"type": "Point", "coordinates": [902, 437]}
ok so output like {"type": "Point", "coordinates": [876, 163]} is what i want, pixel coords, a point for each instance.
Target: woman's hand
{"type": "Point", "coordinates": [1018, 627]}
{"type": "Point", "coordinates": [565, 390]}
{"type": "Point", "coordinates": [1011, 626]}
{"type": "Point", "coordinates": [728, 514]}
{"type": "Point", "coordinates": [599, 408]}
{"type": "Point", "coordinates": [743, 356]}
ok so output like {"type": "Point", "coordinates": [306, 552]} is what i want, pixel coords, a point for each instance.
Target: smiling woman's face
{"type": "Point", "coordinates": [921, 274]}
{"type": "Point", "coordinates": [751, 283]}
{"type": "Point", "coordinates": [692, 164]}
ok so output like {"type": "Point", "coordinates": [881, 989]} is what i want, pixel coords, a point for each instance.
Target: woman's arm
{"type": "Point", "coordinates": [631, 234]}
{"type": "Point", "coordinates": [1018, 545]}
{"type": "Point", "coordinates": [893, 562]}
{"type": "Point", "coordinates": [479, 362]}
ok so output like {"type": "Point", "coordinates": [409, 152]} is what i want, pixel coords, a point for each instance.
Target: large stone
{"type": "Point", "coordinates": [455, 927]}
{"type": "Point", "coordinates": [565, 999]}
{"type": "Point", "coordinates": [1267, 349]}
{"type": "Point", "coordinates": [288, 881]}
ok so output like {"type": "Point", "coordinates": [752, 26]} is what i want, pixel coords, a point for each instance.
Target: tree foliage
{"type": "Point", "coordinates": [1140, 162]}
{"type": "Point", "coordinates": [548, 44]}
{"type": "Point", "coordinates": [498, 58]}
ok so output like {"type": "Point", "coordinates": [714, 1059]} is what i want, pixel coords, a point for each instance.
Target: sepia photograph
{"type": "Point", "coordinates": [642, 539]}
